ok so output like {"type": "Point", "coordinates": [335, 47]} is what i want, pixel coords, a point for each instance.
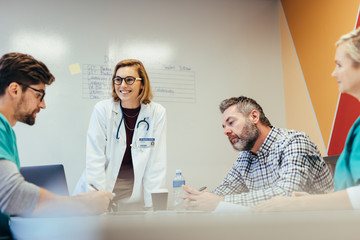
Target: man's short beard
{"type": "Point", "coordinates": [247, 138]}
{"type": "Point", "coordinates": [24, 117]}
{"type": "Point", "coordinates": [28, 119]}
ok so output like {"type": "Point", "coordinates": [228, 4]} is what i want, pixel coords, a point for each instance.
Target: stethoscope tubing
{"type": "Point", "coordinates": [137, 125]}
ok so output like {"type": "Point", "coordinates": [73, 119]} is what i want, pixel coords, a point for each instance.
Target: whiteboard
{"type": "Point", "coordinates": [212, 49]}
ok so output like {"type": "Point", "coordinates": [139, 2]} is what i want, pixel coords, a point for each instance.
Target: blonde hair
{"type": "Point", "coordinates": [351, 41]}
{"type": "Point", "coordinates": [145, 95]}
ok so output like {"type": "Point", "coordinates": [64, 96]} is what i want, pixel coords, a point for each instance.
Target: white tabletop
{"type": "Point", "coordinates": [339, 225]}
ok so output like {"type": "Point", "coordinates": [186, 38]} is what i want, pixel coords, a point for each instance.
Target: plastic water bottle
{"type": "Point", "coordinates": [177, 183]}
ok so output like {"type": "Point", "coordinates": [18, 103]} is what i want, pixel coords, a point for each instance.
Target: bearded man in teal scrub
{"type": "Point", "coordinates": [23, 80]}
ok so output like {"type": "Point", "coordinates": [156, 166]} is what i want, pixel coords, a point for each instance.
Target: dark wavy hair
{"type": "Point", "coordinates": [245, 105]}
{"type": "Point", "coordinates": [23, 69]}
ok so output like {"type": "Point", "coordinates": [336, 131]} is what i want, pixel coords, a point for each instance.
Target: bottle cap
{"type": "Point", "coordinates": [178, 171]}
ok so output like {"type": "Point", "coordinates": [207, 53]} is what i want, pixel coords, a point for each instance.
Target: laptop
{"type": "Point", "coordinates": [50, 177]}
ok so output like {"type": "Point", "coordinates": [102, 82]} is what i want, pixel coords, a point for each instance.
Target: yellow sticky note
{"type": "Point", "coordinates": [74, 68]}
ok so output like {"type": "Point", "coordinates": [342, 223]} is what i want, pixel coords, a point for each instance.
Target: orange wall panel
{"type": "Point", "coordinates": [298, 107]}
{"type": "Point", "coordinates": [315, 26]}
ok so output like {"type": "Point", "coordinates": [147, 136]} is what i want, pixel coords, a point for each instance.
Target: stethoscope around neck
{"type": "Point", "coordinates": [143, 121]}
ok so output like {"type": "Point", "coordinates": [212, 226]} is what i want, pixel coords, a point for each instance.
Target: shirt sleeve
{"type": "Point", "coordinates": [298, 167]}
{"type": "Point", "coordinates": [7, 149]}
{"type": "Point", "coordinates": [17, 197]}
{"type": "Point", "coordinates": [96, 147]}
{"type": "Point", "coordinates": [355, 156]}
{"type": "Point", "coordinates": [233, 183]}
{"type": "Point", "coordinates": [354, 195]}
{"type": "Point", "coordinates": [291, 178]}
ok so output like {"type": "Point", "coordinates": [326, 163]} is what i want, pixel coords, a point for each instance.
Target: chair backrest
{"type": "Point", "coordinates": [331, 162]}
{"type": "Point", "coordinates": [50, 177]}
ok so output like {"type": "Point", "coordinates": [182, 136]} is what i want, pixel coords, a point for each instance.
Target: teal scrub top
{"type": "Point", "coordinates": [347, 170]}
{"type": "Point", "coordinates": [8, 151]}
{"type": "Point", "coordinates": [8, 146]}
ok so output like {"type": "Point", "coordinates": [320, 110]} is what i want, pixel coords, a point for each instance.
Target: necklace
{"type": "Point", "coordinates": [131, 129]}
{"type": "Point", "coordinates": [131, 116]}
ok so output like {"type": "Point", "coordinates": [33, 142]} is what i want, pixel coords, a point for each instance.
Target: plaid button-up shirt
{"type": "Point", "coordinates": [287, 161]}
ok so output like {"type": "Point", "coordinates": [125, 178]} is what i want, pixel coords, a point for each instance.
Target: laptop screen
{"type": "Point", "coordinates": [50, 177]}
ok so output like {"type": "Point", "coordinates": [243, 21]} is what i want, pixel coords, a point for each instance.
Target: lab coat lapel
{"type": "Point", "coordinates": [117, 116]}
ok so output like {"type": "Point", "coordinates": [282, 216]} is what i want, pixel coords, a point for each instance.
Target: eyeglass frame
{"type": "Point", "coordinates": [36, 90]}
{"type": "Point", "coordinates": [126, 79]}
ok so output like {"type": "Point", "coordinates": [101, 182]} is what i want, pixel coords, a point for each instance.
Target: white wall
{"type": "Point", "coordinates": [231, 46]}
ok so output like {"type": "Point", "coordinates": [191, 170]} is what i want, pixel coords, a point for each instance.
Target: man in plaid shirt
{"type": "Point", "coordinates": [272, 161]}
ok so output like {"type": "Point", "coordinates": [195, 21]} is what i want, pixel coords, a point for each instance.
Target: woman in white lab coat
{"type": "Point", "coordinates": [126, 140]}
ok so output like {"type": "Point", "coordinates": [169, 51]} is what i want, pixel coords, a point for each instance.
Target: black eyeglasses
{"type": "Point", "coordinates": [42, 92]}
{"type": "Point", "coordinates": [129, 80]}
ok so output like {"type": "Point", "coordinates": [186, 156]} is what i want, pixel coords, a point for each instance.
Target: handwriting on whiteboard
{"type": "Point", "coordinates": [169, 83]}
{"type": "Point", "coordinates": [96, 81]}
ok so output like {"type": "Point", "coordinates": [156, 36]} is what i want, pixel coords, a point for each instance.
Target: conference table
{"type": "Point", "coordinates": [193, 225]}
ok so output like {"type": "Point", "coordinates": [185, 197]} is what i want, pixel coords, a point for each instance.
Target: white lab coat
{"type": "Point", "coordinates": [104, 153]}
